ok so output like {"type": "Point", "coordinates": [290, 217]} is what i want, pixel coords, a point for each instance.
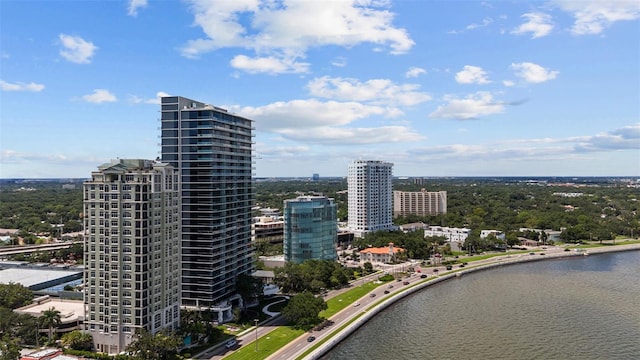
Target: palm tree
{"type": "Point", "coordinates": [50, 319]}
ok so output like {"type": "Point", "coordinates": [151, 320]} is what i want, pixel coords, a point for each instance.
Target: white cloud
{"type": "Point", "coordinates": [593, 16]}
{"type": "Point", "coordinates": [472, 75]}
{"type": "Point", "coordinates": [285, 29]}
{"type": "Point", "coordinates": [134, 5]}
{"type": "Point", "coordinates": [376, 91]}
{"type": "Point", "coordinates": [76, 49]}
{"type": "Point", "coordinates": [538, 24]}
{"type": "Point", "coordinates": [339, 61]}
{"type": "Point", "coordinates": [353, 136]}
{"type": "Point", "coordinates": [533, 73]}
{"type": "Point", "coordinates": [20, 86]}
{"type": "Point", "coordinates": [485, 22]}
{"type": "Point", "coordinates": [508, 83]}
{"type": "Point", "coordinates": [265, 149]}
{"type": "Point", "coordinates": [415, 72]}
{"type": "Point", "coordinates": [626, 138]}
{"type": "Point", "coordinates": [471, 107]}
{"type": "Point", "coordinates": [99, 96]}
{"type": "Point", "coordinates": [619, 139]}
{"type": "Point", "coordinates": [301, 114]}
{"type": "Point", "coordinates": [269, 65]}
{"type": "Point", "coordinates": [154, 101]}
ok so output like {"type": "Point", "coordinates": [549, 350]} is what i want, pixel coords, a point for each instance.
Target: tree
{"type": "Point", "coordinates": [303, 309]}
{"type": "Point", "coordinates": [146, 346]}
{"type": "Point", "coordinates": [9, 349]}
{"type": "Point", "coordinates": [192, 324]}
{"type": "Point", "coordinates": [248, 286]}
{"type": "Point", "coordinates": [77, 340]}
{"type": "Point", "coordinates": [13, 296]}
{"type": "Point", "coordinates": [50, 319]}
{"type": "Point", "coordinates": [368, 268]}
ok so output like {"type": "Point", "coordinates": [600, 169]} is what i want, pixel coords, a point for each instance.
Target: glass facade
{"type": "Point", "coordinates": [310, 229]}
{"type": "Point", "coordinates": [212, 150]}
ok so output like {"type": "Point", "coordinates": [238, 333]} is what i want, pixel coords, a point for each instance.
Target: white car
{"type": "Point", "coordinates": [231, 343]}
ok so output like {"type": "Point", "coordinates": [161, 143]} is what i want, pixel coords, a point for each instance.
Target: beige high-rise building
{"type": "Point", "coordinates": [419, 203]}
{"type": "Point", "coordinates": [132, 251]}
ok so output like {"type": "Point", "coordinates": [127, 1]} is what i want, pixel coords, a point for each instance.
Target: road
{"type": "Point", "coordinates": [301, 344]}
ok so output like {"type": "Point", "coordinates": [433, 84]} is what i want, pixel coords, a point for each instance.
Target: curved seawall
{"type": "Point", "coordinates": [369, 313]}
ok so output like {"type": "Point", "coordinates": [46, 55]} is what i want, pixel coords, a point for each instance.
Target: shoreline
{"type": "Point", "coordinates": [369, 313]}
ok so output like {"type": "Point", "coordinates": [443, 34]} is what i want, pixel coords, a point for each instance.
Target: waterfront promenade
{"type": "Point", "coordinates": [350, 318]}
{"type": "Point", "coordinates": [367, 310]}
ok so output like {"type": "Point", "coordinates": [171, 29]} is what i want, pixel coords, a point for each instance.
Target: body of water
{"type": "Point", "coordinates": [584, 307]}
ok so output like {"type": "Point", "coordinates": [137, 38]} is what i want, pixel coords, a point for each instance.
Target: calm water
{"type": "Point", "coordinates": [579, 308]}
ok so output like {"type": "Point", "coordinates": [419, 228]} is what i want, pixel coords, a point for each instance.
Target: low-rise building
{"type": "Point", "coordinates": [380, 254]}
{"type": "Point", "coordinates": [497, 233]}
{"type": "Point", "coordinates": [452, 234]}
{"type": "Point", "coordinates": [411, 227]}
{"type": "Point", "coordinates": [71, 312]}
{"type": "Point", "coordinates": [269, 229]}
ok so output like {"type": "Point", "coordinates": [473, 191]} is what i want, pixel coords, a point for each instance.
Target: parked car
{"type": "Point", "coordinates": [231, 344]}
{"type": "Point", "coordinates": [449, 267]}
{"type": "Point", "coordinates": [423, 276]}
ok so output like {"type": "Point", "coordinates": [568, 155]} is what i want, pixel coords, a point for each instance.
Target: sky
{"type": "Point", "coordinates": [438, 88]}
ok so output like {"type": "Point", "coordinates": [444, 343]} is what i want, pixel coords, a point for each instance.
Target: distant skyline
{"type": "Point", "coordinates": [438, 88]}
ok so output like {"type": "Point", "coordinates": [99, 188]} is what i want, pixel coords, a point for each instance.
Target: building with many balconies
{"type": "Point", "coordinates": [131, 252]}
{"type": "Point", "coordinates": [421, 203]}
{"type": "Point", "coordinates": [370, 196]}
{"type": "Point", "coordinates": [212, 150]}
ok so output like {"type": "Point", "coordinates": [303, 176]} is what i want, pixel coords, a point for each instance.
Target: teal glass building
{"type": "Point", "coordinates": [310, 229]}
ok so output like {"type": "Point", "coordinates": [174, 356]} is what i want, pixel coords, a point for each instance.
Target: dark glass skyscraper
{"type": "Point", "coordinates": [212, 150]}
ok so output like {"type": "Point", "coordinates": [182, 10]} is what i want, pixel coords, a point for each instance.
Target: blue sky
{"type": "Point", "coordinates": [439, 88]}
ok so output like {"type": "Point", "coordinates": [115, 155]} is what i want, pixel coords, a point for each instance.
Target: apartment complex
{"type": "Point", "coordinates": [212, 150]}
{"type": "Point", "coordinates": [370, 196]}
{"type": "Point", "coordinates": [421, 203]}
{"type": "Point", "coordinates": [310, 229]}
{"type": "Point", "coordinates": [132, 251]}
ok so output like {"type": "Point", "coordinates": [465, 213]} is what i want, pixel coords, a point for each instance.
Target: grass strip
{"type": "Point", "coordinates": [267, 344]}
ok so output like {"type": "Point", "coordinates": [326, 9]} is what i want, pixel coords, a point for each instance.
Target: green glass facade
{"type": "Point", "coordinates": [310, 229]}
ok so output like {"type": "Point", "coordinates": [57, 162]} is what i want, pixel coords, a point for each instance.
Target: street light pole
{"type": "Point", "coordinates": [256, 323]}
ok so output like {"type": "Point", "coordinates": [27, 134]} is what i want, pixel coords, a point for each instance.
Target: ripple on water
{"type": "Point", "coordinates": [577, 308]}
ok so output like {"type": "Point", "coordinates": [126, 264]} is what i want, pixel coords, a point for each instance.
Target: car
{"type": "Point", "coordinates": [231, 344]}
{"type": "Point", "coordinates": [532, 253]}
{"type": "Point", "coordinates": [423, 276]}
{"type": "Point", "coordinates": [356, 304]}
{"type": "Point", "coordinates": [449, 267]}
{"type": "Point", "coordinates": [386, 291]}
{"type": "Point", "coordinates": [372, 295]}
{"type": "Point", "coordinates": [390, 286]}
{"type": "Point", "coordinates": [311, 338]}
{"type": "Point", "coordinates": [405, 283]}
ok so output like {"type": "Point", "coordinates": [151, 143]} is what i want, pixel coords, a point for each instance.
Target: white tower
{"type": "Point", "coordinates": [370, 196]}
